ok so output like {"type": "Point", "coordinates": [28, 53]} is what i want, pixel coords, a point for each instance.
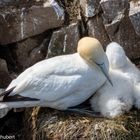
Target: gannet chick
{"type": "Point", "coordinates": [119, 61]}
{"type": "Point", "coordinates": [60, 82]}
{"type": "Point", "coordinates": [113, 101]}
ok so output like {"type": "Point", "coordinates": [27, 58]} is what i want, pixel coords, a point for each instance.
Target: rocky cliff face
{"type": "Point", "coordinates": [33, 30]}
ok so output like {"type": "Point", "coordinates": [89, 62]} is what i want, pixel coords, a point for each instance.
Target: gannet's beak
{"type": "Point", "coordinates": [105, 72]}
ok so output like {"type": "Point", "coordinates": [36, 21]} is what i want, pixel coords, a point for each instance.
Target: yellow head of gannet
{"type": "Point", "coordinates": [92, 51]}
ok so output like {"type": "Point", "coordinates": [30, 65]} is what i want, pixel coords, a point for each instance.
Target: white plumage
{"type": "Point", "coordinates": [120, 62]}
{"type": "Point", "coordinates": [116, 100]}
{"type": "Point", "coordinates": [63, 81]}
{"type": "Point", "coordinates": [113, 101]}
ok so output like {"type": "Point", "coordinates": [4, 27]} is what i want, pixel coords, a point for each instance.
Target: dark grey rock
{"type": "Point", "coordinates": [6, 1]}
{"type": "Point", "coordinates": [134, 15]}
{"type": "Point", "coordinates": [23, 22]}
{"type": "Point", "coordinates": [39, 53]}
{"type": "Point", "coordinates": [113, 10]}
{"type": "Point", "coordinates": [124, 34]}
{"type": "Point", "coordinates": [64, 41]}
{"type": "Point", "coordinates": [30, 51]}
{"type": "Point", "coordinates": [5, 78]}
{"type": "Point", "coordinates": [4, 111]}
{"type": "Point", "coordinates": [119, 27]}
{"type": "Point", "coordinates": [96, 29]}
{"type": "Point", "coordinates": [90, 7]}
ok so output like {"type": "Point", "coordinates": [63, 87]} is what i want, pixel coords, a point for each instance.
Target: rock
{"type": "Point", "coordinates": [6, 54]}
{"type": "Point", "coordinates": [96, 29]}
{"type": "Point", "coordinates": [5, 1]}
{"type": "Point", "coordinates": [124, 34]}
{"type": "Point", "coordinates": [3, 66]}
{"type": "Point", "coordinates": [64, 41]}
{"type": "Point", "coordinates": [39, 53]}
{"type": "Point", "coordinates": [134, 15]}
{"type": "Point", "coordinates": [5, 78]}
{"type": "Point", "coordinates": [119, 27]}
{"type": "Point", "coordinates": [3, 112]}
{"type": "Point", "coordinates": [89, 7]}
{"type": "Point", "coordinates": [113, 10]}
{"type": "Point", "coordinates": [113, 13]}
{"type": "Point", "coordinates": [18, 2]}
{"type": "Point", "coordinates": [30, 51]}
{"type": "Point", "coordinates": [72, 10]}
{"type": "Point", "coordinates": [20, 22]}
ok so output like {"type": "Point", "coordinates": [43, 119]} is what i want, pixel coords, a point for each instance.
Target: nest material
{"type": "Point", "coordinates": [43, 123]}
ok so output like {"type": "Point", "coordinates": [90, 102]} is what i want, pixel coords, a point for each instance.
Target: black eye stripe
{"type": "Point", "coordinates": [99, 64]}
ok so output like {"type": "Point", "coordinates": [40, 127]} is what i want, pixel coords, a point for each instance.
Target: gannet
{"type": "Point", "coordinates": [62, 81]}
{"type": "Point", "coordinates": [120, 62]}
{"type": "Point", "coordinates": [112, 102]}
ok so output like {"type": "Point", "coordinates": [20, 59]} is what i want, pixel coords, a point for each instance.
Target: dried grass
{"type": "Point", "coordinates": [43, 123]}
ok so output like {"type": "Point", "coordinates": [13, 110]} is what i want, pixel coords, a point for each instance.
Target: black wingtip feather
{"type": "Point", "coordinates": [7, 98]}
{"type": "Point", "coordinates": [7, 92]}
{"type": "Point", "coordinates": [17, 98]}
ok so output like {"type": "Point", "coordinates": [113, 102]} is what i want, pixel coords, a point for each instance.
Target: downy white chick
{"type": "Point", "coordinates": [119, 61]}
{"type": "Point", "coordinates": [116, 100]}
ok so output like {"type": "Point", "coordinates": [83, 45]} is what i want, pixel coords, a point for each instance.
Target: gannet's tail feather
{"type": "Point", "coordinates": [6, 93]}
{"type": "Point", "coordinates": [16, 101]}
{"type": "Point", "coordinates": [5, 97]}
{"type": "Point", "coordinates": [17, 98]}
{"type": "Point", "coordinates": [19, 104]}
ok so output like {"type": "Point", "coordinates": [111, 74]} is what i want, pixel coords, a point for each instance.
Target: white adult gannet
{"type": "Point", "coordinates": [112, 102]}
{"type": "Point", "coordinates": [60, 82]}
{"type": "Point", "coordinates": [120, 62]}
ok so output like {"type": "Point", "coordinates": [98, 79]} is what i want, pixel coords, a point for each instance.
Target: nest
{"type": "Point", "coordinates": [45, 123]}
